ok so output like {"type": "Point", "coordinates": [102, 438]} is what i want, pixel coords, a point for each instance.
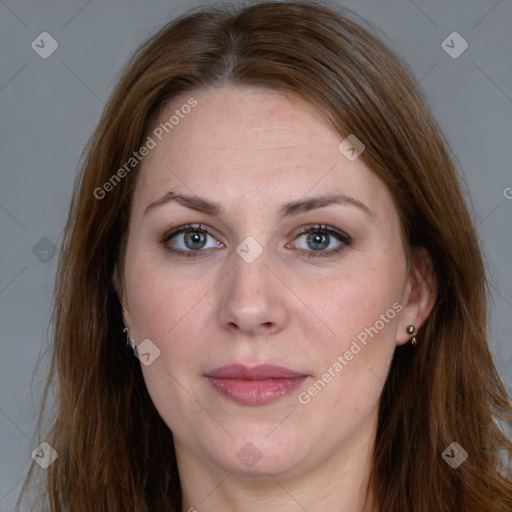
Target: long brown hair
{"type": "Point", "coordinates": [115, 452]}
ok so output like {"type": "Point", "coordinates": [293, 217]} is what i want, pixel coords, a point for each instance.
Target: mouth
{"type": "Point", "coordinates": [256, 385]}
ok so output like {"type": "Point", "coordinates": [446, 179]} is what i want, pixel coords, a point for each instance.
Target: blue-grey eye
{"type": "Point", "coordinates": [195, 239]}
{"type": "Point", "coordinates": [318, 241]}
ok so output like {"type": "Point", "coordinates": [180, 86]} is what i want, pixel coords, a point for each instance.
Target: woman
{"type": "Point", "coordinates": [269, 215]}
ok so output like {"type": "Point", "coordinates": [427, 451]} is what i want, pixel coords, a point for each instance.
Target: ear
{"type": "Point", "coordinates": [420, 294]}
{"type": "Point", "coordinates": [118, 286]}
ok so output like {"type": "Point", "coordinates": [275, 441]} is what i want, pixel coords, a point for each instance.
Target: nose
{"type": "Point", "coordinates": [253, 298]}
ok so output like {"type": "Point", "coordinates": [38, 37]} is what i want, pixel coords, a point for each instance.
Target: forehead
{"type": "Point", "coordinates": [241, 143]}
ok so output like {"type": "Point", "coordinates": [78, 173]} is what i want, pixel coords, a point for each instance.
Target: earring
{"type": "Point", "coordinates": [411, 330]}
{"type": "Point", "coordinates": [129, 341]}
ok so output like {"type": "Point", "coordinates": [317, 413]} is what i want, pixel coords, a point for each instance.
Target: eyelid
{"type": "Point", "coordinates": [326, 228]}
{"type": "Point", "coordinates": [186, 227]}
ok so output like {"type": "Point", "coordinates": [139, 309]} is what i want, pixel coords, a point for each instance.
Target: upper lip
{"type": "Point", "coordinates": [257, 372]}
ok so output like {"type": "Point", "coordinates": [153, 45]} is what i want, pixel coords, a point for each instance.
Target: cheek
{"type": "Point", "coordinates": [163, 301]}
{"type": "Point", "coordinates": [355, 303]}
{"type": "Point", "coordinates": [361, 310]}
{"type": "Point", "coordinates": [352, 365]}
{"type": "Point", "coordinates": [171, 313]}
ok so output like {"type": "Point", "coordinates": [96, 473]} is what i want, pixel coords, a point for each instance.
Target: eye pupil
{"type": "Point", "coordinates": [318, 238]}
{"type": "Point", "coordinates": [196, 237]}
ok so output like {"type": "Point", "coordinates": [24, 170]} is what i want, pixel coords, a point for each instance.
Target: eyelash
{"type": "Point", "coordinates": [346, 240]}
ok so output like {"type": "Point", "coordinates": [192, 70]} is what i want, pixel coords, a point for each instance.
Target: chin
{"type": "Point", "coordinates": [257, 456]}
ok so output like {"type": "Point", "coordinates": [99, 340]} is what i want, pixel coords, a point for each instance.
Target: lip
{"type": "Point", "coordinates": [255, 385]}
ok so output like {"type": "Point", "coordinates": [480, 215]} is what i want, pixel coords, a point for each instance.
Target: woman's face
{"type": "Point", "coordinates": [255, 281]}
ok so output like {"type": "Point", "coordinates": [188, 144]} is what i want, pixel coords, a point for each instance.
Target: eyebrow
{"type": "Point", "coordinates": [200, 204]}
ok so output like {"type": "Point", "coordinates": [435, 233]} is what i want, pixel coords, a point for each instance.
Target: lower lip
{"type": "Point", "coordinates": [256, 392]}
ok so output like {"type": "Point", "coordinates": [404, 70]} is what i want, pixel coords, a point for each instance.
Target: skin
{"type": "Point", "coordinates": [251, 150]}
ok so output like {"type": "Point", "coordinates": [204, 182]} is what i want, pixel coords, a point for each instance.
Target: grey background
{"type": "Point", "coordinates": [49, 108]}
